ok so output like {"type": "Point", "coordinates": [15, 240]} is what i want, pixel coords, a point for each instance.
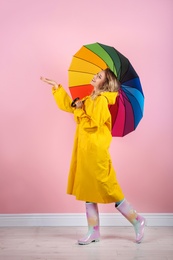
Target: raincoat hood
{"type": "Point", "coordinates": [111, 97]}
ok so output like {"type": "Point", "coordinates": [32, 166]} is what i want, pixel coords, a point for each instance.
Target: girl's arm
{"type": "Point", "coordinates": [61, 97]}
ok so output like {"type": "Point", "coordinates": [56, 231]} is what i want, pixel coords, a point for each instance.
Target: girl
{"type": "Point", "coordinates": [92, 177]}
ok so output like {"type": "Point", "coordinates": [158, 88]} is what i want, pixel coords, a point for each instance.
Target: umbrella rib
{"type": "Point", "coordinates": [79, 85]}
{"type": "Point", "coordinates": [130, 94]}
{"type": "Point", "coordinates": [79, 71]}
{"type": "Point", "coordinates": [122, 100]}
{"type": "Point", "coordinates": [88, 61]}
{"type": "Point", "coordinates": [109, 57]}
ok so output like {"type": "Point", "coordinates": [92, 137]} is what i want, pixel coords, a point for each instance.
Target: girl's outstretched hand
{"type": "Point", "coordinates": [50, 82]}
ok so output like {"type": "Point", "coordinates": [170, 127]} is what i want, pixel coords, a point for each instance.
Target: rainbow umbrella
{"type": "Point", "coordinates": [89, 60]}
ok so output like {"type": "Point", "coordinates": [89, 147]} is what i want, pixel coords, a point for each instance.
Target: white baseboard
{"type": "Point", "coordinates": [110, 219]}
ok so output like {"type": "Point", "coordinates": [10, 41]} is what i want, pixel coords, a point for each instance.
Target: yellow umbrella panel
{"type": "Point", "coordinates": [85, 64]}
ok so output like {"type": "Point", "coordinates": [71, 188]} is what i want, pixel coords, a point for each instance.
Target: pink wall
{"type": "Point", "coordinates": [38, 38]}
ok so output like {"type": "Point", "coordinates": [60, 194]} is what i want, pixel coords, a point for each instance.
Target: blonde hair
{"type": "Point", "coordinates": [111, 84]}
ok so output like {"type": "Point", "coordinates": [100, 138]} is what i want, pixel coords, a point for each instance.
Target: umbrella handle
{"type": "Point", "coordinates": [74, 101]}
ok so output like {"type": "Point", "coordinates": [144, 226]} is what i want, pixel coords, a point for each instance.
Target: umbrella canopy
{"type": "Point", "coordinates": [92, 58]}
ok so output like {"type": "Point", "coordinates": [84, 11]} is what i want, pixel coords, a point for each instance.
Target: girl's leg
{"type": "Point", "coordinates": [93, 234]}
{"type": "Point", "coordinates": [133, 217]}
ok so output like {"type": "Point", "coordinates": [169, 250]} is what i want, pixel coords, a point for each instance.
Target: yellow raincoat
{"type": "Point", "coordinates": [91, 177]}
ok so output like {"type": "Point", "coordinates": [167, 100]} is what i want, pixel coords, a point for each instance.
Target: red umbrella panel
{"type": "Point", "coordinates": [92, 58]}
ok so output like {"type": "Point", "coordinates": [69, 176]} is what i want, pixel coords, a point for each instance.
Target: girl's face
{"type": "Point", "coordinates": [98, 80]}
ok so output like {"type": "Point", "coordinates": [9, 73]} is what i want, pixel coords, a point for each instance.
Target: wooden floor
{"type": "Point", "coordinates": [117, 243]}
